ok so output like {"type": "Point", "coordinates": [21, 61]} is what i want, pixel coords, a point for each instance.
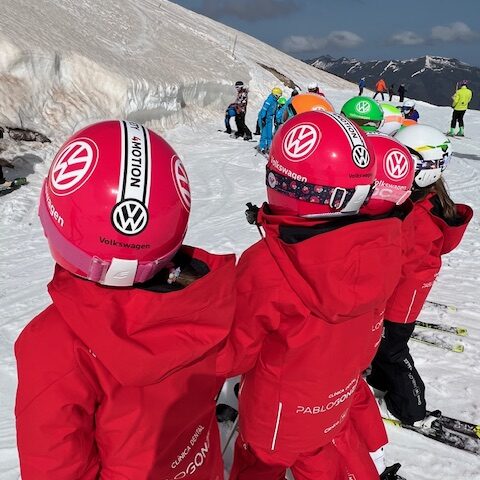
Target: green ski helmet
{"type": "Point", "coordinates": [365, 112]}
{"type": "Point", "coordinates": [282, 101]}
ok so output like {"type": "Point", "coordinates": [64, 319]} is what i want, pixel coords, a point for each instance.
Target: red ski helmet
{"type": "Point", "coordinates": [115, 204]}
{"type": "Point", "coordinates": [320, 164]}
{"type": "Point", "coordinates": [394, 178]}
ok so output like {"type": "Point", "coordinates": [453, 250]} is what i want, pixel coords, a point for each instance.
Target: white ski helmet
{"type": "Point", "coordinates": [431, 150]}
{"type": "Point", "coordinates": [313, 86]}
{"type": "Point", "coordinates": [408, 104]}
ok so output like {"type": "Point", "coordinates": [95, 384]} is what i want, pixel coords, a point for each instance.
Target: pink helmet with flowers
{"type": "Point", "coordinates": [394, 178]}
{"type": "Point", "coordinates": [320, 164]}
{"type": "Point", "coordinates": [115, 204]}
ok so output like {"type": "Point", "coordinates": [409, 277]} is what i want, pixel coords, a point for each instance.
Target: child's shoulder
{"type": "Point", "coordinates": [257, 269]}
{"type": "Point", "coordinates": [47, 336]}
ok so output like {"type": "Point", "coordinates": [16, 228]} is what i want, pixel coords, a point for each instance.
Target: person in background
{"type": "Point", "coordinates": [279, 113]}
{"type": "Point", "coordinates": [118, 375]}
{"type": "Point", "coordinates": [265, 119]}
{"type": "Point", "coordinates": [380, 88]}
{"type": "Point", "coordinates": [401, 92]}
{"type": "Point", "coordinates": [361, 86]}
{"type": "Point", "coordinates": [241, 103]}
{"type": "Point", "coordinates": [230, 112]}
{"type": "Point", "coordinates": [409, 112]}
{"type": "Point", "coordinates": [460, 101]}
{"type": "Point", "coordinates": [391, 91]}
{"type": "Point", "coordinates": [314, 88]}
{"type": "Point", "coordinates": [434, 228]}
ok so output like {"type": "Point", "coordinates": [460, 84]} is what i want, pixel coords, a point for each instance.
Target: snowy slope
{"type": "Point", "coordinates": [63, 66]}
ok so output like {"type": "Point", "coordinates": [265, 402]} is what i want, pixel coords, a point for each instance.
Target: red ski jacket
{"type": "Point", "coordinates": [119, 383]}
{"type": "Point", "coordinates": [307, 323]}
{"type": "Point", "coordinates": [427, 237]}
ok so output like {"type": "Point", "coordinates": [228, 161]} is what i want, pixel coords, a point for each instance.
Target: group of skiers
{"type": "Point", "coordinates": [381, 88]}
{"type": "Point", "coordinates": [118, 377]}
{"type": "Point", "coordinates": [460, 101]}
{"type": "Point", "coordinates": [275, 110]}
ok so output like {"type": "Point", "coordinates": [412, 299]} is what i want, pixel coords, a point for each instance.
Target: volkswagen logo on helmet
{"type": "Point", "coordinates": [363, 107]}
{"type": "Point", "coordinates": [396, 165]}
{"type": "Point", "coordinates": [73, 166]}
{"type": "Point", "coordinates": [360, 156]}
{"type": "Point", "coordinates": [130, 217]}
{"type": "Point", "coordinates": [301, 141]}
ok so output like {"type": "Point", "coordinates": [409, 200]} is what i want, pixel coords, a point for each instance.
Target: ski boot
{"type": "Point", "coordinates": [451, 132]}
{"type": "Point", "coordinates": [390, 473]}
{"type": "Point", "coordinates": [13, 184]}
{"type": "Point", "coordinates": [460, 132]}
{"type": "Point", "coordinates": [247, 138]}
{"type": "Point", "coordinates": [430, 422]}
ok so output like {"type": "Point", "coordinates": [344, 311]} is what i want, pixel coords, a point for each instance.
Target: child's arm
{"type": "Point", "coordinates": [255, 316]}
{"type": "Point", "coordinates": [54, 409]}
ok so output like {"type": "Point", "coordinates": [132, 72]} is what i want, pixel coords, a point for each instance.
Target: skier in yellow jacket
{"type": "Point", "coordinates": [461, 98]}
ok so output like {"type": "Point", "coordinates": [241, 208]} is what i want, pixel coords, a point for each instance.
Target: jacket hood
{"type": "Point", "coordinates": [142, 336]}
{"type": "Point", "coordinates": [452, 230]}
{"type": "Point", "coordinates": [344, 268]}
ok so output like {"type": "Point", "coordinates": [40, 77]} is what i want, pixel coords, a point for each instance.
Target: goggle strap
{"type": "Point", "coordinates": [336, 197]}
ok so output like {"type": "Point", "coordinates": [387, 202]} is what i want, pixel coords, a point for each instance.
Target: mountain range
{"type": "Point", "coordinates": [429, 78]}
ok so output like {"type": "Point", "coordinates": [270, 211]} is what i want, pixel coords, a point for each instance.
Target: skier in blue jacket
{"type": "Point", "coordinates": [361, 86]}
{"type": "Point", "coordinates": [265, 119]}
{"type": "Point", "coordinates": [279, 113]}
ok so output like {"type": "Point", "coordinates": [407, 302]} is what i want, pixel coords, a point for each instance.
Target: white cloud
{"type": "Point", "coordinates": [457, 31]}
{"type": "Point", "coordinates": [406, 38]}
{"type": "Point", "coordinates": [343, 39]}
{"type": "Point", "coordinates": [336, 39]}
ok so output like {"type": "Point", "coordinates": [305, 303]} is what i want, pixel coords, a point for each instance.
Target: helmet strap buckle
{"type": "Point", "coordinates": [337, 198]}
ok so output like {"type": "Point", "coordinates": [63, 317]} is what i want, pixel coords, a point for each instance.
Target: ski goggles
{"type": "Point", "coordinates": [367, 122]}
{"type": "Point", "coordinates": [345, 200]}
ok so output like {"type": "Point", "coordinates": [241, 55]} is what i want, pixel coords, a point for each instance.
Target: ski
{"type": "Point", "coordinates": [11, 186]}
{"type": "Point", "coordinates": [227, 412]}
{"type": "Point", "coordinates": [442, 306]}
{"type": "Point", "coordinates": [445, 436]}
{"type": "Point", "coordinates": [460, 331]}
{"type": "Point", "coordinates": [437, 342]}
{"type": "Point", "coordinates": [459, 426]}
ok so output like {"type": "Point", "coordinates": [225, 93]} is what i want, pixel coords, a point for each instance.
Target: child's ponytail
{"type": "Point", "coordinates": [447, 204]}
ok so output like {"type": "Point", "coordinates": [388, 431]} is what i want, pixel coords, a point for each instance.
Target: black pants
{"type": "Point", "coordinates": [394, 372]}
{"type": "Point", "coordinates": [360, 91]}
{"type": "Point", "coordinates": [457, 115]}
{"type": "Point", "coordinates": [242, 129]}
{"type": "Point", "coordinates": [381, 93]}
{"type": "Point", "coordinates": [2, 178]}
{"type": "Point", "coordinates": [401, 97]}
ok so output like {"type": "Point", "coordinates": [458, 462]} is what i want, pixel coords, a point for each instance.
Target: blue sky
{"type": "Point", "coordinates": [364, 29]}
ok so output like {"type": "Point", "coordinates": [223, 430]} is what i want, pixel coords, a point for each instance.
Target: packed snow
{"type": "Point", "coordinates": [66, 64]}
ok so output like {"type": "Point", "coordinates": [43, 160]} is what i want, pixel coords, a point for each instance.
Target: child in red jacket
{"type": "Point", "coordinates": [309, 295]}
{"type": "Point", "coordinates": [393, 183]}
{"type": "Point", "coordinates": [116, 378]}
{"type": "Point", "coordinates": [434, 227]}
